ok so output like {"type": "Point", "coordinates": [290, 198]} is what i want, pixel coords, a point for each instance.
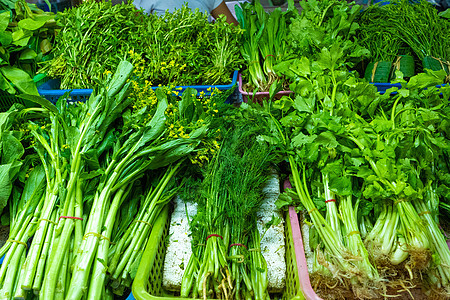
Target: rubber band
{"type": "Point", "coordinates": [211, 235]}
{"type": "Point", "coordinates": [18, 242]}
{"type": "Point", "coordinates": [69, 217]}
{"type": "Point", "coordinates": [425, 213]}
{"type": "Point", "coordinates": [47, 220]}
{"type": "Point", "coordinates": [331, 200]}
{"type": "Point", "coordinates": [314, 209]}
{"type": "Point", "coordinates": [270, 55]}
{"type": "Point", "coordinates": [254, 250]}
{"type": "Point", "coordinates": [375, 65]}
{"type": "Point", "coordinates": [98, 235]}
{"type": "Point", "coordinates": [400, 201]}
{"type": "Point", "coordinates": [353, 233]}
{"type": "Point", "coordinates": [143, 222]}
{"type": "Point", "coordinates": [238, 244]}
{"type": "Point", "coordinates": [396, 64]}
{"type": "Point", "coordinates": [442, 62]}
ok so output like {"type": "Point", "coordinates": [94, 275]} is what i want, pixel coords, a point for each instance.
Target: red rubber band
{"type": "Point", "coordinates": [68, 217]}
{"type": "Point", "coordinates": [331, 200]}
{"type": "Point", "coordinates": [237, 244]}
{"type": "Point", "coordinates": [211, 235]}
{"type": "Point", "coordinates": [269, 55]}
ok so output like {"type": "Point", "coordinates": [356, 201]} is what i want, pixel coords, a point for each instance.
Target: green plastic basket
{"type": "Point", "coordinates": [148, 281]}
{"type": "Point", "coordinates": [7, 100]}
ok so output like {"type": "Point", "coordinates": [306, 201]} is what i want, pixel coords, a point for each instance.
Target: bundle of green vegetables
{"type": "Point", "coordinates": [102, 171]}
{"type": "Point", "coordinates": [263, 42]}
{"type": "Point", "coordinates": [404, 27]}
{"type": "Point", "coordinates": [388, 52]}
{"type": "Point", "coordinates": [319, 25]}
{"type": "Point", "coordinates": [366, 169]}
{"type": "Point", "coordinates": [226, 261]}
{"type": "Point", "coordinates": [26, 37]}
{"type": "Point", "coordinates": [179, 48]}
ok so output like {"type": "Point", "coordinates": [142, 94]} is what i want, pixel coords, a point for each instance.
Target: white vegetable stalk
{"type": "Point", "coordinates": [354, 241]}
{"type": "Point", "coordinates": [332, 215]}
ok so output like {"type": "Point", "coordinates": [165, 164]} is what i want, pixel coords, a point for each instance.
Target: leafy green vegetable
{"type": "Point", "coordinates": [22, 29]}
{"type": "Point", "coordinates": [179, 48]}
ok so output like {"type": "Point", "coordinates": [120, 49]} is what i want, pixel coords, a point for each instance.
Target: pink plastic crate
{"type": "Point", "coordinates": [258, 96]}
{"type": "Point", "coordinates": [302, 267]}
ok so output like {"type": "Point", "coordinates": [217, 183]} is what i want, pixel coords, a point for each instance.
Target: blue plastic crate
{"type": "Point", "coordinates": [131, 297]}
{"type": "Point", "coordinates": [55, 6]}
{"type": "Point", "coordinates": [50, 90]}
{"type": "Point", "coordinates": [383, 87]}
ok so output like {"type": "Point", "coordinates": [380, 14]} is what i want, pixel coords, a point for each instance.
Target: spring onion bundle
{"type": "Point", "coordinates": [263, 42]}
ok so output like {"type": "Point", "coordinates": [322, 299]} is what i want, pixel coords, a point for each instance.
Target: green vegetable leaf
{"type": "Point", "coordinates": [42, 101]}
{"type": "Point", "coordinates": [326, 139]}
{"type": "Point", "coordinates": [304, 104]}
{"type": "Point", "coordinates": [427, 79]}
{"type": "Point", "coordinates": [445, 13]}
{"type": "Point", "coordinates": [21, 80]}
{"type": "Point", "coordinates": [32, 25]}
{"type": "Point", "coordinates": [4, 20]}
{"type": "Point", "coordinates": [5, 185]}
{"type": "Point", "coordinates": [6, 38]}
{"type": "Point", "coordinates": [301, 67]}
{"type": "Point", "coordinates": [302, 139]}
{"type": "Point", "coordinates": [27, 54]}
{"type": "Point", "coordinates": [12, 148]}
{"type": "Point", "coordinates": [341, 185]}
{"type": "Point", "coordinates": [365, 207]}
{"type": "Point", "coordinates": [21, 38]}
{"type": "Point", "coordinates": [5, 85]}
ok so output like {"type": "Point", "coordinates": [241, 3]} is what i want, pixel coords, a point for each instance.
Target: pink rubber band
{"type": "Point", "coordinates": [211, 235]}
{"type": "Point", "coordinates": [237, 244]}
{"type": "Point", "coordinates": [68, 217]}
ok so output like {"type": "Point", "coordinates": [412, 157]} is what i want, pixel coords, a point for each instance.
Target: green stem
{"type": "Point", "coordinates": [44, 255]}
{"type": "Point", "coordinates": [100, 263]}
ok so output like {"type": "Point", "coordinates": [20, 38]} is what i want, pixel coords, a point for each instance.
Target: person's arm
{"type": "Point", "coordinates": [222, 9]}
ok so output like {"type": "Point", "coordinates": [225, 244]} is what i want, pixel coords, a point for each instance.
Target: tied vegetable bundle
{"type": "Point", "coordinates": [102, 173]}
{"type": "Point", "coordinates": [27, 35]}
{"type": "Point", "coordinates": [226, 260]}
{"type": "Point", "coordinates": [263, 43]}
{"type": "Point", "coordinates": [404, 28]}
{"type": "Point", "coordinates": [179, 48]}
